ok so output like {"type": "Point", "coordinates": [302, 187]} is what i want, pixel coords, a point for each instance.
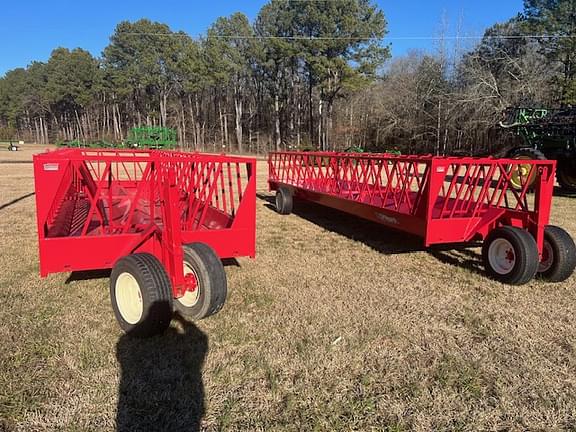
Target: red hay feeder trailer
{"type": "Point", "coordinates": [162, 221]}
{"type": "Point", "coordinates": [442, 200]}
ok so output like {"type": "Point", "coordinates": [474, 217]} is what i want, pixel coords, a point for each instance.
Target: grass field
{"type": "Point", "coordinates": [337, 325]}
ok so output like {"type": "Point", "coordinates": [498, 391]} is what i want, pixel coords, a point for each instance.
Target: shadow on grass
{"type": "Point", "coordinates": [161, 386]}
{"type": "Point", "coordinates": [17, 200]}
{"type": "Point", "coordinates": [380, 238]}
{"type": "Point", "coordinates": [230, 262]}
{"type": "Point", "coordinates": [559, 192]}
{"type": "Point", "coordinates": [19, 162]}
{"type": "Point", "coordinates": [78, 276]}
{"type": "Point", "coordinates": [460, 257]}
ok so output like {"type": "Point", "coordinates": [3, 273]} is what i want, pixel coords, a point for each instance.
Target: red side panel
{"type": "Point", "coordinates": [97, 206]}
{"type": "Point", "coordinates": [443, 200]}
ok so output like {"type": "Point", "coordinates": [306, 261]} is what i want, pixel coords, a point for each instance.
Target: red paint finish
{"type": "Point", "coordinates": [442, 200]}
{"type": "Point", "coordinates": [95, 207]}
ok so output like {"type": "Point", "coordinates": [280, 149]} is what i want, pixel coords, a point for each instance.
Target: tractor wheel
{"type": "Point", "coordinates": [141, 295]}
{"type": "Point", "coordinates": [284, 201]}
{"type": "Point", "coordinates": [522, 174]}
{"type": "Point", "coordinates": [559, 255]}
{"type": "Point", "coordinates": [211, 286]}
{"type": "Point", "coordinates": [510, 255]}
{"type": "Point", "coordinates": [566, 176]}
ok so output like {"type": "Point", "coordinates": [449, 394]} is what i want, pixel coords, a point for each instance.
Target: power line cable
{"type": "Point", "coordinates": [362, 38]}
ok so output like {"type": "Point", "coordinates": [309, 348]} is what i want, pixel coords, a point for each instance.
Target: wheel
{"type": "Point", "coordinates": [211, 289]}
{"type": "Point", "coordinates": [284, 201]}
{"type": "Point", "coordinates": [559, 255]}
{"type": "Point", "coordinates": [510, 255]}
{"type": "Point", "coordinates": [522, 174]}
{"type": "Point", "coordinates": [141, 295]}
{"type": "Point", "coordinates": [566, 176]}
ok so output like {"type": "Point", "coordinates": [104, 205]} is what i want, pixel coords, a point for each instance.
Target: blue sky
{"type": "Point", "coordinates": [30, 30]}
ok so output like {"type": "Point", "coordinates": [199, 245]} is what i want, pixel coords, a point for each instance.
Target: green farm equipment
{"type": "Point", "coordinates": [12, 146]}
{"type": "Point", "coordinates": [138, 137]}
{"type": "Point", "coordinates": [152, 138]}
{"type": "Point", "coordinates": [546, 134]}
{"type": "Point", "coordinates": [354, 149]}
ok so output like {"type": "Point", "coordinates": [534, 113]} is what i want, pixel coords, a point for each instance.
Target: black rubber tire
{"type": "Point", "coordinates": [525, 251]}
{"type": "Point", "coordinates": [156, 291]}
{"type": "Point", "coordinates": [532, 153]}
{"type": "Point", "coordinates": [212, 284]}
{"type": "Point", "coordinates": [563, 250]}
{"type": "Point", "coordinates": [566, 176]}
{"type": "Point", "coordinates": [284, 201]}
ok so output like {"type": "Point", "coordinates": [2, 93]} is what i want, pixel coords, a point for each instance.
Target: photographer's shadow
{"type": "Point", "coordinates": [161, 380]}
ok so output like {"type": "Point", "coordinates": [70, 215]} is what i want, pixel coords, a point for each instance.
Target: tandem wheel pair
{"type": "Point", "coordinates": [141, 292]}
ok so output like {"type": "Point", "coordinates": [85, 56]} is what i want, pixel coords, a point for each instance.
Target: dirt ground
{"type": "Point", "coordinates": [337, 325]}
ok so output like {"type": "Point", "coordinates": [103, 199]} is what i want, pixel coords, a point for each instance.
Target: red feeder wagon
{"type": "Point", "coordinates": [442, 200]}
{"type": "Point", "coordinates": [161, 221]}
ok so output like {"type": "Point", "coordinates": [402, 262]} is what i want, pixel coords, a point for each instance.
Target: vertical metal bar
{"type": "Point", "coordinates": [239, 182]}
{"type": "Point", "coordinates": [543, 202]}
{"type": "Point", "coordinates": [172, 238]}
{"type": "Point", "coordinates": [152, 192]}
{"type": "Point", "coordinates": [231, 190]}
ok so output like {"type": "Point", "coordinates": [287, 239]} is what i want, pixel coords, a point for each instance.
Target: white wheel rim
{"type": "Point", "coordinates": [547, 258]}
{"type": "Point", "coordinates": [129, 298]}
{"type": "Point", "coordinates": [191, 297]}
{"type": "Point", "coordinates": [502, 256]}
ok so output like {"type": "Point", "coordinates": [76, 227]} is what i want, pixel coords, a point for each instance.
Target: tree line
{"type": "Point", "coordinates": [308, 75]}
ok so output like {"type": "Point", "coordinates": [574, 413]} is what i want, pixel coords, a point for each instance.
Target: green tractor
{"type": "Point", "coordinates": [157, 138]}
{"type": "Point", "coordinates": [546, 134]}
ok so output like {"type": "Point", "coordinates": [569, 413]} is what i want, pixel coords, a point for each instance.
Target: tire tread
{"type": "Point", "coordinates": [565, 254]}
{"type": "Point", "coordinates": [286, 201]}
{"type": "Point", "coordinates": [214, 296]}
{"type": "Point", "coordinates": [155, 287]}
{"type": "Point", "coordinates": [527, 260]}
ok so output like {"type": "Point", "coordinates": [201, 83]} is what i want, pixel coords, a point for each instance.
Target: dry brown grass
{"type": "Point", "coordinates": [332, 327]}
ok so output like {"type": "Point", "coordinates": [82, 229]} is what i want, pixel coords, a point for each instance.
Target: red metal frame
{"type": "Point", "coordinates": [95, 207]}
{"type": "Point", "coordinates": [443, 200]}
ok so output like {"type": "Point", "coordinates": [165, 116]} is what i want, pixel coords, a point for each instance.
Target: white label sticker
{"type": "Point", "coordinates": [51, 167]}
{"type": "Point", "coordinates": [441, 169]}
